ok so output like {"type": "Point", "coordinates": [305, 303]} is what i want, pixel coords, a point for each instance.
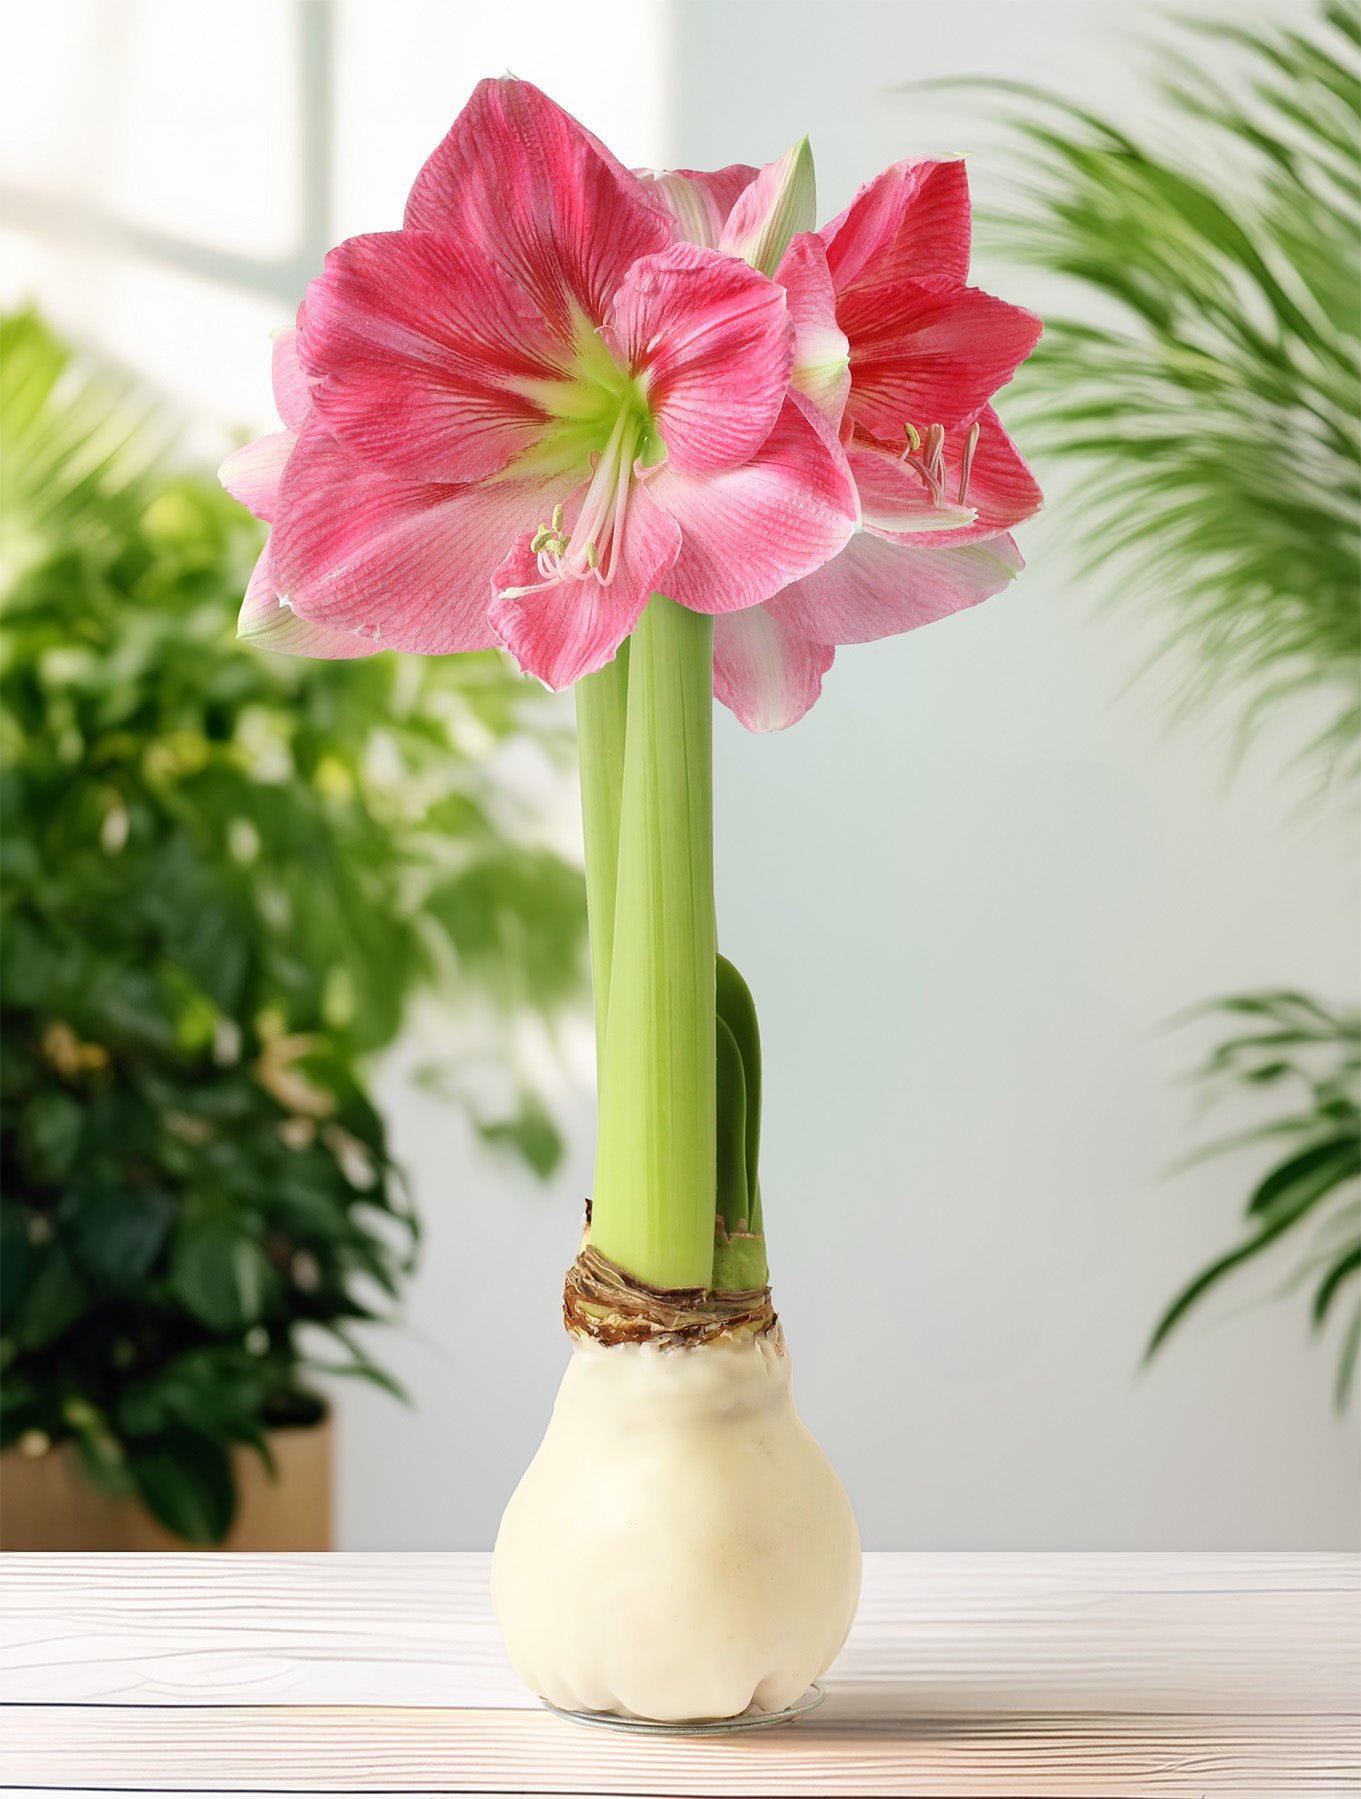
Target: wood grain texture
{"type": "Point", "coordinates": [935, 1633]}
{"type": "Point", "coordinates": [357, 1750]}
{"type": "Point", "coordinates": [1105, 1676]}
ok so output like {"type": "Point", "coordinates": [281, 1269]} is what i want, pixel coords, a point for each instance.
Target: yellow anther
{"type": "Point", "coordinates": [557, 520]}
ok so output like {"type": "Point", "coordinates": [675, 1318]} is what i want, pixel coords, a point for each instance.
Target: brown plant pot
{"type": "Point", "coordinates": [47, 1504]}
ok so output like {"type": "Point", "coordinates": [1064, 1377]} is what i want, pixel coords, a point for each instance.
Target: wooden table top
{"type": "Point", "coordinates": [1086, 1676]}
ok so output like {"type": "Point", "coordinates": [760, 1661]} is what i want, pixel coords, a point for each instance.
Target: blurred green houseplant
{"type": "Point", "coordinates": [224, 875]}
{"type": "Point", "coordinates": [1214, 432]}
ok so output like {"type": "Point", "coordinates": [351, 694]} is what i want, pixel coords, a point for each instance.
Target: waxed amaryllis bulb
{"type": "Point", "coordinates": [679, 1548]}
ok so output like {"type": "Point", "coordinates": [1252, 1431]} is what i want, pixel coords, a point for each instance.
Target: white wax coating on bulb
{"type": "Point", "coordinates": [679, 1548]}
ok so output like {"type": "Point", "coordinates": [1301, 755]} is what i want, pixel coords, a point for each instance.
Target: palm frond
{"type": "Point", "coordinates": [1212, 424]}
{"type": "Point", "coordinates": [1291, 1045]}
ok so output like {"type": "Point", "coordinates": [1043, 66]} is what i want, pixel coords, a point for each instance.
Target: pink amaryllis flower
{"type": "Point", "coordinates": [901, 357]}
{"type": "Point", "coordinates": [527, 410]}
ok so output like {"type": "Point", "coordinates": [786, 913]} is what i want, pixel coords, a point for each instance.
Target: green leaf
{"type": "Point", "coordinates": [1341, 1271]}
{"type": "Point", "coordinates": [737, 1009]}
{"type": "Point", "coordinates": [115, 1234]}
{"type": "Point", "coordinates": [734, 1203]}
{"type": "Point", "coordinates": [186, 1481]}
{"type": "Point", "coordinates": [55, 1299]}
{"type": "Point", "coordinates": [222, 1276]}
{"type": "Point", "coordinates": [1308, 1176]}
{"type": "Point", "coordinates": [50, 1128]}
{"type": "Point", "coordinates": [531, 1133]}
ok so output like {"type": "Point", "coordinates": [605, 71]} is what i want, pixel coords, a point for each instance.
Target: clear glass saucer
{"type": "Point", "coordinates": [699, 1727]}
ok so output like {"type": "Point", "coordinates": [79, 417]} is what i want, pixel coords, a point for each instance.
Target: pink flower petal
{"type": "Point", "coordinates": [292, 388]}
{"type": "Point", "coordinates": [423, 349]}
{"type": "Point", "coordinates": [271, 625]}
{"type": "Point", "coordinates": [876, 588]}
{"type": "Point", "coordinates": [713, 343]}
{"type": "Point", "coordinates": [909, 224]}
{"type": "Point", "coordinates": [821, 368]}
{"type": "Point", "coordinates": [252, 473]}
{"type": "Point", "coordinates": [523, 182]}
{"type": "Point", "coordinates": [1002, 490]}
{"type": "Point", "coordinates": [404, 563]}
{"type": "Point", "coordinates": [570, 628]}
{"type": "Point", "coordinates": [925, 355]}
{"type": "Point", "coordinates": [764, 672]}
{"type": "Point", "coordinates": [700, 200]}
{"type": "Point", "coordinates": [749, 531]}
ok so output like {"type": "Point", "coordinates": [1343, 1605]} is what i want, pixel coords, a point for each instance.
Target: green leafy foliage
{"type": "Point", "coordinates": [1287, 1044]}
{"type": "Point", "coordinates": [1211, 416]}
{"type": "Point", "coordinates": [1205, 396]}
{"type": "Point", "coordinates": [225, 874]}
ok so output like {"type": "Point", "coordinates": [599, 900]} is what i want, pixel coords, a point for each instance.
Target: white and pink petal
{"type": "Point", "coordinates": [877, 588]}
{"type": "Point", "coordinates": [699, 200]}
{"type": "Point", "coordinates": [270, 624]}
{"type": "Point", "coordinates": [779, 204]}
{"type": "Point", "coordinates": [821, 369]}
{"type": "Point", "coordinates": [764, 672]}
{"type": "Point", "coordinates": [252, 474]}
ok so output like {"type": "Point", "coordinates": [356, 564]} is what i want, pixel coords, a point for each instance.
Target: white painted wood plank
{"type": "Point", "coordinates": [936, 1634]}
{"type": "Point", "coordinates": [351, 1750]}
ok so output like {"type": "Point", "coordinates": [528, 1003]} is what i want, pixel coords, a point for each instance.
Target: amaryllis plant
{"type": "Point", "coordinates": [656, 436]}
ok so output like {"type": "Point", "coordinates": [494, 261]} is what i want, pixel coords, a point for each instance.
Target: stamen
{"type": "Point", "coordinates": [966, 461]}
{"type": "Point", "coordinates": [600, 523]}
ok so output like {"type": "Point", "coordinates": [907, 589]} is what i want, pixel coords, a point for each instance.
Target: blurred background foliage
{"type": "Point", "coordinates": [226, 875]}
{"type": "Point", "coordinates": [1204, 393]}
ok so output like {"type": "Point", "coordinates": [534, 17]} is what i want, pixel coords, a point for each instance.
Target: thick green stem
{"type": "Point", "coordinates": [602, 708]}
{"type": "Point", "coordinates": [654, 1198]}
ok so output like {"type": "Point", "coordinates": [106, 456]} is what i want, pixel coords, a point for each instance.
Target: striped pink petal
{"type": "Point", "coordinates": [519, 180]}
{"type": "Point", "coordinates": [422, 350]}
{"type": "Point", "coordinates": [911, 223]}
{"type": "Point", "coordinates": [928, 353]}
{"type": "Point", "coordinates": [407, 564]}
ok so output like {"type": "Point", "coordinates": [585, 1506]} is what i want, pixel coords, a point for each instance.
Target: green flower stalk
{"type": "Point", "coordinates": [653, 1206]}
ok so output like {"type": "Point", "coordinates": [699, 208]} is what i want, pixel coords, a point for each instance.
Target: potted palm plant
{"type": "Point", "coordinates": [1217, 401]}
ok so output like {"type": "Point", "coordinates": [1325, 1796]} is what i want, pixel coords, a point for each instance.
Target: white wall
{"type": "Point", "coordinates": [967, 890]}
